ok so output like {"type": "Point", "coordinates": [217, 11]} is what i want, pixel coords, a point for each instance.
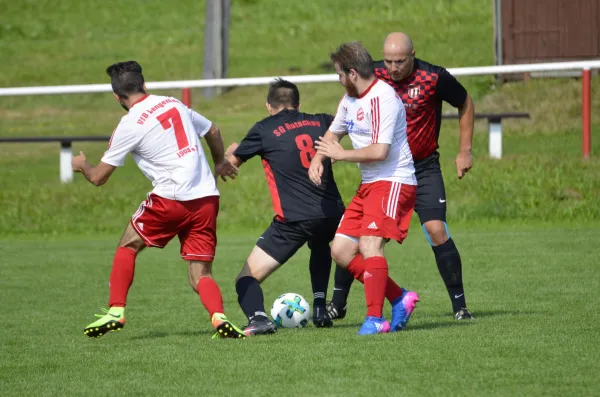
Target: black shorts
{"type": "Point", "coordinates": [281, 240]}
{"type": "Point", "coordinates": [431, 194]}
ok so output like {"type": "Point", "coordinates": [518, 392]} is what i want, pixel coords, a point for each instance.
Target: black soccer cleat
{"type": "Point", "coordinates": [334, 312]}
{"type": "Point", "coordinates": [260, 326]}
{"type": "Point", "coordinates": [463, 314]}
{"type": "Point", "coordinates": [321, 318]}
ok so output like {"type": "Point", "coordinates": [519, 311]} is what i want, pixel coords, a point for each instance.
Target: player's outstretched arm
{"type": "Point", "coordinates": [223, 168]}
{"type": "Point", "coordinates": [335, 151]}
{"type": "Point", "coordinates": [232, 158]}
{"type": "Point", "coordinates": [466, 114]}
{"type": "Point", "coordinates": [96, 175]}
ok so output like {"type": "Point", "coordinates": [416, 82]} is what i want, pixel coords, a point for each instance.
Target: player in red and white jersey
{"type": "Point", "coordinates": [423, 88]}
{"type": "Point", "coordinates": [373, 116]}
{"type": "Point", "coordinates": [163, 137]}
{"type": "Point", "coordinates": [377, 116]}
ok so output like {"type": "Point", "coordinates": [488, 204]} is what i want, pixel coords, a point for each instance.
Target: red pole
{"type": "Point", "coordinates": [586, 139]}
{"type": "Point", "coordinates": [186, 97]}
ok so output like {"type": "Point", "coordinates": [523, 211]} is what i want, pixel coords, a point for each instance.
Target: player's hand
{"type": "Point", "coordinates": [231, 148]}
{"type": "Point", "coordinates": [225, 169]}
{"type": "Point", "coordinates": [332, 149]}
{"type": "Point", "coordinates": [78, 162]}
{"type": "Point", "coordinates": [464, 162]}
{"type": "Point", "coordinates": [315, 171]}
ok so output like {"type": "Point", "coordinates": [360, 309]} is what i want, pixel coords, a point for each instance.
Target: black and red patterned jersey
{"type": "Point", "coordinates": [285, 142]}
{"type": "Point", "coordinates": [422, 93]}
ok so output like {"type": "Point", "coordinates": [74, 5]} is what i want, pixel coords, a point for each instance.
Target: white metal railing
{"type": "Point", "coordinates": [495, 131]}
{"type": "Point", "coordinates": [318, 78]}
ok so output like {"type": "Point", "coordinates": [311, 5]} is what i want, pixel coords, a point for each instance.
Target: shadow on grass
{"type": "Point", "coordinates": [448, 321]}
{"type": "Point", "coordinates": [445, 324]}
{"type": "Point", "coordinates": [345, 325]}
{"type": "Point", "coordinates": [162, 334]}
{"type": "Point", "coordinates": [477, 317]}
{"type": "Point", "coordinates": [500, 313]}
{"type": "Point", "coordinates": [415, 326]}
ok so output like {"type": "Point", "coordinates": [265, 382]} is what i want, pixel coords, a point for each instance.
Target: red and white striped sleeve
{"type": "Point", "coordinates": [386, 112]}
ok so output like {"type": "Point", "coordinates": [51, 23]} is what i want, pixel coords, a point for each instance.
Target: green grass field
{"type": "Point", "coordinates": [526, 226]}
{"type": "Point", "coordinates": [531, 289]}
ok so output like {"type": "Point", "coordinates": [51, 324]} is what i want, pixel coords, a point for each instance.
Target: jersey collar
{"type": "Point", "coordinates": [140, 100]}
{"type": "Point", "coordinates": [365, 92]}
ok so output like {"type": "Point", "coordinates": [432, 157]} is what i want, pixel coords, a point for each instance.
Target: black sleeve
{"type": "Point", "coordinates": [449, 89]}
{"type": "Point", "coordinates": [328, 119]}
{"type": "Point", "coordinates": [251, 145]}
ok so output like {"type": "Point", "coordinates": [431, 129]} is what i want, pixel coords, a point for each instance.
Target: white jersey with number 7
{"type": "Point", "coordinates": [378, 116]}
{"type": "Point", "coordinates": [163, 137]}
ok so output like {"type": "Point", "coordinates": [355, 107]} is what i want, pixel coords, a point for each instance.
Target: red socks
{"type": "Point", "coordinates": [357, 268]}
{"type": "Point", "coordinates": [375, 280]}
{"type": "Point", "coordinates": [210, 296]}
{"type": "Point", "coordinates": [392, 290]}
{"type": "Point", "coordinates": [121, 276]}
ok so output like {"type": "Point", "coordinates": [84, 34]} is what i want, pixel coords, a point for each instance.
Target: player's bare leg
{"type": "Point", "coordinates": [259, 265]}
{"type": "Point", "coordinates": [201, 281]}
{"type": "Point", "coordinates": [371, 246]}
{"type": "Point", "coordinates": [436, 231]}
{"type": "Point", "coordinates": [257, 268]}
{"type": "Point", "coordinates": [449, 265]}
{"type": "Point", "coordinates": [344, 249]}
{"type": "Point", "coordinates": [121, 278]}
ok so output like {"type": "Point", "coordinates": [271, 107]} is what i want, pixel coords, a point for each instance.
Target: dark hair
{"type": "Point", "coordinates": [126, 78]}
{"type": "Point", "coordinates": [283, 93]}
{"type": "Point", "coordinates": [353, 56]}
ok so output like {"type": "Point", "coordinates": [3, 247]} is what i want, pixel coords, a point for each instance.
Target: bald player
{"type": "Point", "coordinates": [422, 87]}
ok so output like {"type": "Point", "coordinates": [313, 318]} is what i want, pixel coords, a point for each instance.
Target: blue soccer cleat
{"type": "Point", "coordinates": [402, 308]}
{"type": "Point", "coordinates": [374, 325]}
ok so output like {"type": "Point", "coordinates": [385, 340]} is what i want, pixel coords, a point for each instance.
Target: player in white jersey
{"type": "Point", "coordinates": [163, 137]}
{"type": "Point", "coordinates": [373, 116]}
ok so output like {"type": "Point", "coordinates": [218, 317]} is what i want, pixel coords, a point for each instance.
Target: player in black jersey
{"type": "Point", "coordinates": [305, 213]}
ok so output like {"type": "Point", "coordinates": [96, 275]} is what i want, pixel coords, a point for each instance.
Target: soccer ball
{"type": "Point", "coordinates": [290, 311]}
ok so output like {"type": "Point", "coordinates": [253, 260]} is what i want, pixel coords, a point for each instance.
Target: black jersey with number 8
{"type": "Point", "coordinates": [285, 143]}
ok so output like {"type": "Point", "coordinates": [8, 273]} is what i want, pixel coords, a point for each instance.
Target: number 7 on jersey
{"type": "Point", "coordinates": [172, 118]}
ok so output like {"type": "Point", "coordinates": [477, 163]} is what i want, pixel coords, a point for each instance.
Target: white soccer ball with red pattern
{"type": "Point", "coordinates": [290, 311]}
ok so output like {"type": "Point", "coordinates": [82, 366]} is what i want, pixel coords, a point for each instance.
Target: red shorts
{"type": "Point", "coordinates": [381, 209]}
{"type": "Point", "coordinates": [158, 220]}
